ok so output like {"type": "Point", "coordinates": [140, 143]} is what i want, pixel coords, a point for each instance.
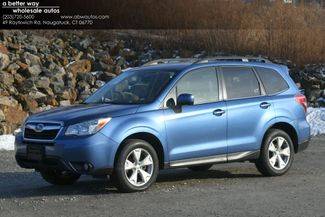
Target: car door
{"type": "Point", "coordinates": [199, 130]}
{"type": "Point", "coordinates": [248, 108]}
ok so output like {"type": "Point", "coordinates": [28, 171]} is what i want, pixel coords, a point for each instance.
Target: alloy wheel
{"type": "Point", "coordinates": [279, 153]}
{"type": "Point", "coordinates": [138, 167]}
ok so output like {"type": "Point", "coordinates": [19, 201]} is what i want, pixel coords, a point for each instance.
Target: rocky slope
{"type": "Point", "coordinates": [39, 72]}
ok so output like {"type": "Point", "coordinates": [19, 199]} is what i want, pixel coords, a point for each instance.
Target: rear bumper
{"type": "Point", "coordinates": [92, 155]}
{"type": "Point", "coordinates": [304, 145]}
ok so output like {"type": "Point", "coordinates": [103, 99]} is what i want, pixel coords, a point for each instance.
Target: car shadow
{"type": "Point", "coordinates": [30, 184]}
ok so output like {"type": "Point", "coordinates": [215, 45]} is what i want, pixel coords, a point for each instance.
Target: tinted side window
{"type": "Point", "coordinates": [240, 82]}
{"type": "Point", "coordinates": [272, 80]}
{"type": "Point", "coordinates": [201, 83]}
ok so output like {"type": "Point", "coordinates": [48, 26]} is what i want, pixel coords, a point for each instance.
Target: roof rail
{"type": "Point", "coordinates": [171, 60]}
{"type": "Point", "coordinates": [208, 60]}
{"type": "Point", "coordinates": [233, 58]}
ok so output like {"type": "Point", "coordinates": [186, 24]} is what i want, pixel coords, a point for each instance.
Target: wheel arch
{"type": "Point", "coordinates": [286, 127]}
{"type": "Point", "coordinates": [152, 139]}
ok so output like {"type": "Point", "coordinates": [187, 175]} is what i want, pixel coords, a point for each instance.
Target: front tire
{"type": "Point", "coordinates": [56, 177]}
{"type": "Point", "coordinates": [136, 167]}
{"type": "Point", "coordinates": [277, 153]}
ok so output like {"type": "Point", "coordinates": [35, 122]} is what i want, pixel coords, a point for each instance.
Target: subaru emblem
{"type": "Point", "coordinates": [39, 127]}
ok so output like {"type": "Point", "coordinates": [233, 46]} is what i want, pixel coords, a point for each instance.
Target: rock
{"type": "Point", "coordinates": [65, 103]}
{"type": "Point", "coordinates": [3, 49]}
{"type": "Point", "coordinates": [57, 87]}
{"type": "Point", "coordinates": [128, 54]}
{"type": "Point", "coordinates": [80, 66]}
{"type": "Point", "coordinates": [104, 76]}
{"type": "Point", "coordinates": [31, 48]}
{"type": "Point", "coordinates": [44, 108]}
{"type": "Point", "coordinates": [87, 77]}
{"type": "Point", "coordinates": [23, 66]}
{"type": "Point", "coordinates": [52, 101]}
{"type": "Point", "coordinates": [13, 91]}
{"type": "Point", "coordinates": [4, 61]}
{"type": "Point", "coordinates": [2, 116]}
{"type": "Point", "coordinates": [31, 59]}
{"type": "Point", "coordinates": [6, 79]}
{"type": "Point", "coordinates": [34, 70]}
{"type": "Point", "coordinates": [65, 95]}
{"type": "Point", "coordinates": [18, 79]}
{"type": "Point", "coordinates": [27, 86]}
{"type": "Point", "coordinates": [38, 96]}
{"type": "Point", "coordinates": [43, 82]}
{"type": "Point", "coordinates": [118, 70]}
{"type": "Point", "coordinates": [29, 104]}
{"type": "Point", "coordinates": [99, 83]}
{"type": "Point", "coordinates": [13, 68]}
{"type": "Point", "coordinates": [14, 116]}
{"type": "Point", "coordinates": [8, 101]}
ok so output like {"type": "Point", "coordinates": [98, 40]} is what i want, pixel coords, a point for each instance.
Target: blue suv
{"type": "Point", "coordinates": [170, 114]}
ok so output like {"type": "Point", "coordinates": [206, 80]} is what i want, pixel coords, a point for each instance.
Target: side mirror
{"type": "Point", "coordinates": [185, 99]}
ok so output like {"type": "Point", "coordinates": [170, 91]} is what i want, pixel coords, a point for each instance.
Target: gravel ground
{"type": "Point", "coordinates": [225, 190]}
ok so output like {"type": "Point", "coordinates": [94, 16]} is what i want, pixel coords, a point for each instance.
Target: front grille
{"type": "Point", "coordinates": [47, 132]}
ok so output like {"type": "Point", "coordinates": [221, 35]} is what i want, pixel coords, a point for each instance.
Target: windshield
{"type": "Point", "coordinates": [133, 87]}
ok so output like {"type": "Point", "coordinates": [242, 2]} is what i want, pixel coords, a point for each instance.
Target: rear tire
{"type": "Point", "coordinates": [136, 167]}
{"type": "Point", "coordinates": [200, 168]}
{"type": "Point", "coordinates": [56, 177]}
{"type": "Point", "coordinates": [277, 153]}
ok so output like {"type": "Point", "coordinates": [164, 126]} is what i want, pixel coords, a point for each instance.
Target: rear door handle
{"type": "Point", "coordinates": [218, 112]}
{"type": "Point", "coordinates": [265, 105]}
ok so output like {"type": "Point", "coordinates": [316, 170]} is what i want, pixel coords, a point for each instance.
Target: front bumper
{"type": "Point", "coordinates": [93, 155]}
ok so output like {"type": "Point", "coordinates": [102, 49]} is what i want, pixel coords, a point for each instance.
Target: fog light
{"type": "Point", "coordinates": [88, 167]}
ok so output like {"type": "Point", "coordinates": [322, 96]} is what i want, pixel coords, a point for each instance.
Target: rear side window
{"type": "Point", "coordinates": [201, 83]}
{"type": "Point", "coordinates": [240, 82]}
{"type": "Point", "coordinates": [272, 80]}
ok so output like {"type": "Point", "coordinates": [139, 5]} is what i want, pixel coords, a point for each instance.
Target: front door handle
{"type": "Point", "coordinates": [265, 105]}
{"type": "Point", "coordinates": [218, 112]}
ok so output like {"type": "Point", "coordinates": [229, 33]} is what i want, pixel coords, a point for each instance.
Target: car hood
{"type": "Point", "coordinates": [82, 112]}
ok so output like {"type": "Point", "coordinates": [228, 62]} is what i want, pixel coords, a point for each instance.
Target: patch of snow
{"type": "Point", "coordinates": [7, 142]}
{"type": "Point", "coordinates": [316, 120]}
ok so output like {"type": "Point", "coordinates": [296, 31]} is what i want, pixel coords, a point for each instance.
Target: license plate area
{"type": "Point", "coordinates": [35, 152]}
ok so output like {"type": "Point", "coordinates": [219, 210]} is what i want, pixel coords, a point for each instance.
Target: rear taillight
{"type": "Point", "coordinates": [301, 99]}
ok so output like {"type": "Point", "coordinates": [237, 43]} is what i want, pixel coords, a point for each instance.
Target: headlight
{"type": "Point", "coordinates": [87, 127]}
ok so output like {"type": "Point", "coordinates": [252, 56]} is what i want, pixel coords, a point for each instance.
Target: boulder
{"type": "Point", "coordinates": [6, 79]}
{"type": "Point", "coordinates": [3, 49]}
{"type": "Point", "coordinates": [13, 68]}
{"type": "Point", "coordinates": [38, 96]}
{"type": "Point", "coordinates": [4, 61]}
{"type": "Point", "coordinates": [80, 66]}
{"type": "Point", "coordinates": [8, 101]}
{"type": "Point", "coordinates": [27, 86]}
{"type": "Point", "coordinates": [2, 116]}
{"type": "Point", "coordinates": [43, 82]}
{"type": "Point", "coordinates": [87, 77]}
{"type": "Point", "coordinates": [28, 103]}
{"type": "Point", "coordinates": [65, 103]}
{"type": "Point", "coordinates": [19, 79]}
{"type": "Point", "coordinates": [31, 59]}
{"type": "Point", "coordinates": [99, 83]}
{"type": "Point", "coordinates": [34, 70]}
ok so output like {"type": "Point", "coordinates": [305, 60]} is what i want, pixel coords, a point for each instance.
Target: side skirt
{"type": "Point", "coordinates": [223, 158]}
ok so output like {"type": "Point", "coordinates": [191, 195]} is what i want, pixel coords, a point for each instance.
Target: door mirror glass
{"type": "Point", "coordinates": [185, 99]}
